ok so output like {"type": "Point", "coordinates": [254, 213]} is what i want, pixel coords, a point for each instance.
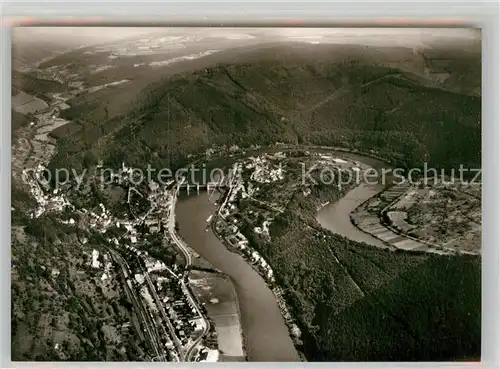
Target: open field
{"type": "Point", "coordinates": [219, 298]}
{"type": "Point", "coordinates": [27, 104]}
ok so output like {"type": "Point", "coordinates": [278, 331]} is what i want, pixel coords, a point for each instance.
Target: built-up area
{"type": "Point", "coordinates": [225, 223]}
{"type": "Point", "coordinates": [173, 321]}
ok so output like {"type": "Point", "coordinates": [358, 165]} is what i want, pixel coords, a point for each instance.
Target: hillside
{"type": "Point", "coordinates": [351, 301]}
{"type": "Point", "coordinates": [330, 94]}
{"type": "Point", "coordinates": [32, 52]}
{"type": "Point", "coordinates": [32, 46]}
{"type": "Point", "coordinates": [358, 303]}
{"type": "Point", "coordinates": [18, 120]}
{"type": "Point", "coordinates": [387, 324]}
{"type": "Point", "coordinates": [33, 85]}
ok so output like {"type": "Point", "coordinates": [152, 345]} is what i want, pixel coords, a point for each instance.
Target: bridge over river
{"type": "Point", "coordinates": [210, 186]}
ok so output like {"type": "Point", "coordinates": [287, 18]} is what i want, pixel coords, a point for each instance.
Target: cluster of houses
{"type": "Point", "coordinates": [165, 286]}
{"type": "Point", "coordinates": [122, 176]}
{"type": "Point", "coordinates": [225, 225]}
{"type": "Point", "coordinates": [182, 315]}
{"type": "Point", "coordinates": [181, 310]}
{"type": "Point", "coordinates": [264, 230]}
{"type": "Point", "coordinates": [54, 201]}
{"type": "Point", "coordinates": [99, 261]}
{"type": "Point", "coordinates": [101, 221]}
{"type": "Point", "coordinates": [263, 170]}
{"type": "Point", "coordinates": [166, 281]}
{"type": "Point", "coordinates": [237, 240]}
{"type": "Point", "coordinates": [294, 329]}
{"type": "Point", "coordinates": [54, 72]}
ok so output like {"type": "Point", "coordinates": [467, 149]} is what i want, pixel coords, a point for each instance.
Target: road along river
{"type": "Point", "coordinates": [267, 337]}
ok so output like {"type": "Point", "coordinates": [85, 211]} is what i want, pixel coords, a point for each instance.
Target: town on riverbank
{"type": "Point", "coordinates": [159, 275]}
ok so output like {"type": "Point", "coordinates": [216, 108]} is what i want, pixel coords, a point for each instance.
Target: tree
{"type": "Point", "coordinates": [89, 159]}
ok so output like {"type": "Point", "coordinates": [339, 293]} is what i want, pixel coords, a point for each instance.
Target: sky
{"type": "Point", "coordinates": [368, 36]}
{"type": "Point", "coordinates": [98, 34]}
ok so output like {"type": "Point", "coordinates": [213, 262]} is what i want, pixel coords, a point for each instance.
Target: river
{"type": "Point", "coordinates": [267, 337]}
{"type": "Point", "coordinates": [335, 216]}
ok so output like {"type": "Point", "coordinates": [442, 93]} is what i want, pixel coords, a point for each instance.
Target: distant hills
{"type": "Point", "coordinates": [409, 104]}
{"type": "Point", "coordinates": [29, 48]}
{"type": "Point", "coordinates": [382, 98]}
{"type": "Point", "coordinates": [34, 45]}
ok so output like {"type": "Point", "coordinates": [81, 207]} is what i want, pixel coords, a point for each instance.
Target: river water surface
{"type": "Point", "coordinates": [335, 216]}
{"type": "Point", "coordinates": [267, 337]}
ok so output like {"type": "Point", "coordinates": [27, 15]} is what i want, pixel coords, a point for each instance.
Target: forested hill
{"type": "Point", "coordinates": [387, 99]}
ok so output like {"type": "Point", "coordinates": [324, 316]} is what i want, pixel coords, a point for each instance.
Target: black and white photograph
{"type": "Point", "coordinates": [231, 194]}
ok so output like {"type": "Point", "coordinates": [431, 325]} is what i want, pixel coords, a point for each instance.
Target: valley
{"type": "Point", "coordinates": [293, 251]}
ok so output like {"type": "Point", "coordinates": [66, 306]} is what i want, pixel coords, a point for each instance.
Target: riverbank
{"type": "Point", "coordinates": [395, 238]}
{"type": "Point", "coordinates": [265, 332]}
{"type": "Point", "coordinates": [353, 204]}
{"type": "Point", "coordinates": [339, 222]}
{"type": "Point", "coordinates": [293, 329]}
{"type": "Point", "coordinates": [216, 293]}
{"type": "Point", "coordinates": [335, 214]}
